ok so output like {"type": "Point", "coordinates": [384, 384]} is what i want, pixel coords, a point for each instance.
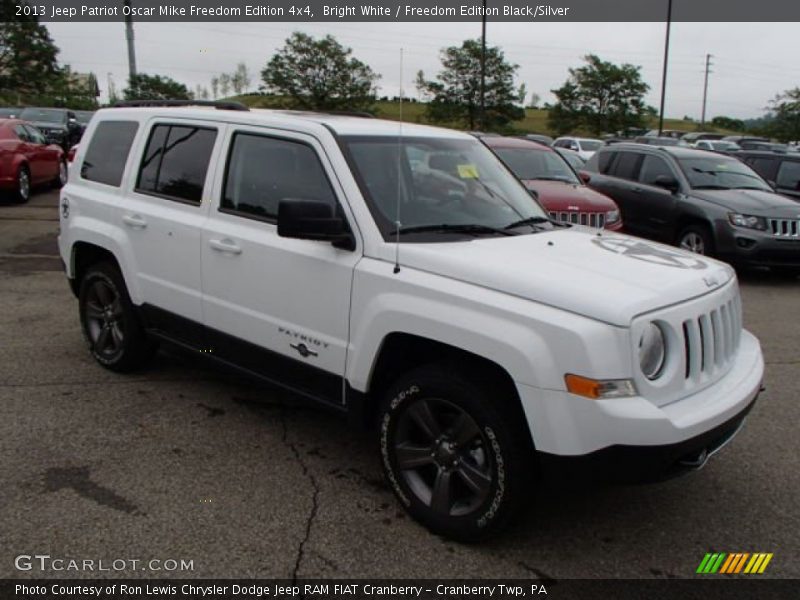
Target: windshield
{"type": "Point", "coordinates": [724, 146]}
{"type": "Point", "coordinates": [42, 114]}
{"type": "Point", "coordinates": [526, 163]}
{"type": "Point", "coordinates": [83, 116]}
{"type": "Point", "coordinates": [720, 174]}
{"type": "Point", "coordinates": [438, 181]}
{"type": "Point", "coordinates": [590, 145]}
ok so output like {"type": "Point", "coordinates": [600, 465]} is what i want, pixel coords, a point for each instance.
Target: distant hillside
{"type": "Point", "coordinates": [535, 120]}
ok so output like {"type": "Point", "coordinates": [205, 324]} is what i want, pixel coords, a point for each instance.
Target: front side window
{"type": "Point", "coordinates": [652, 168]}
{"type": "Point", "coordinates": [43, 115]}
{"type": "Point", "coordinates": [262, 171]}
{"type": "Point", "coordinates": [108, 151]}
{"type": "Point", "coordinates": [175, 162]}
{"type": "Point", "coordinates": [720, 174]}
{"type": "Point", "coordinates": [789, 176]}
{"type": "Point", "coordinates": [429, 182]}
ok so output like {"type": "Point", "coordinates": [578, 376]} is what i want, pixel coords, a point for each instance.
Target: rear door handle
{"type": "Point", "coordinates": [638, 190]}
{"type": "Point", "coordinates": [135, 221]}
{"type": "Point", "coordinates": [227, 246]}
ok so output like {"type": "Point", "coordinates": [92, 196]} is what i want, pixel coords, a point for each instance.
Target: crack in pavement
{"type": "Point", "coordinates": [314, 497]}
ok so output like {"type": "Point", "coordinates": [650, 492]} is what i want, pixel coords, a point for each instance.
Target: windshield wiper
{"type": "Point", "coordinates": [710, 187]}
{"type": "Point", "coordinates": [451, 228]}
{"type": "Point", "coordinates": [534, 221]}
{"type": "Point", "coordinates": [752, 187]}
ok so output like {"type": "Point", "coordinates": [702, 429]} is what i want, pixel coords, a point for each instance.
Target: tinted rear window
{"type": "Point", "coordinates": [175, 162]}
{"type": "Point", "coordinates": [108, 151]}
{"type": "Point", "coordinates": [627, 165]}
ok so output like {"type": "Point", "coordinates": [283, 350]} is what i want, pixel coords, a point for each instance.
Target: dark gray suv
{"type": "Point", "coordinates": [701, 201]}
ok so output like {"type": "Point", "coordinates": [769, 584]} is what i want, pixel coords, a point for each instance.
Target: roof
{"type": "Point", "coordinates": [676, 151]}
{"type": "Point", "coordinates": [340, 124]}
{"type": "Point", "coordinates": [509, 142]}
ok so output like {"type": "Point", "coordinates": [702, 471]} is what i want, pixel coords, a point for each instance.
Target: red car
{"type": "Point", "coordinates": [560, 190]}
{"type": "Point", "coordinates": [27, 160]}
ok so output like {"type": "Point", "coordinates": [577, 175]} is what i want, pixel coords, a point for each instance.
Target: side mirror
{"type": "Point", "coordinates": [584, 176]}
{"type": "Point", "coordinates": [668, 183]}
{"type": "Point", "coordinates": [312, 220]}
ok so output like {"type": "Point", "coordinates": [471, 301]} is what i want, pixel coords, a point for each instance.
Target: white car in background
{"type": "Point", "coordinates": [585, 147]}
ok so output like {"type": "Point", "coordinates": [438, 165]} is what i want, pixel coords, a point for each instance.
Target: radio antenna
{"type": "Point", "coordinates": [397, 222]}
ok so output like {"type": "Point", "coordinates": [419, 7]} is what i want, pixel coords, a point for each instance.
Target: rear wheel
{"type": "Point", "coordinates": [22, 190]}
{"type": "Point", "coordinates": [697, 239]}
{"type": "Point", "coordinates": [116, 337]}
{"type": "Point", "coordinates": [455, 459]}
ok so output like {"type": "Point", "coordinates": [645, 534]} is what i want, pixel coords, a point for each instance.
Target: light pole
{"type": "Point", "coordinates": [483, 67]}
{"type": "Point", "coordinates": [664, 74]}
{"type": "Point", "coordinates": [131, 49]}
{"type": "Point", "coordinates": [705, 90]}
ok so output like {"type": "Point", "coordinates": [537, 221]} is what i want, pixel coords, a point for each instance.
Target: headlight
{"type": "Point", "coordinates": [748, 221]}
{"type": "Point", "coordinates": [612, 216]}
{"type": "Point", "coordinates": [652, 351]}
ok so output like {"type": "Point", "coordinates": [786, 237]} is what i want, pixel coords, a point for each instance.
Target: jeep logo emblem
{"type": "Point", "coordinates": [652, 253]}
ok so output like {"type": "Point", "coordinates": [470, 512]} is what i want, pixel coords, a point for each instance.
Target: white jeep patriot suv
{"type": "Point", "coordinates": [401, 274]}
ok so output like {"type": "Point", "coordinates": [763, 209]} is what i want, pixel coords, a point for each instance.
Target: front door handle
{"type": "Point", "coordinates": [227, 246]}
{"type": "Point", "coordinates": [135, 221]}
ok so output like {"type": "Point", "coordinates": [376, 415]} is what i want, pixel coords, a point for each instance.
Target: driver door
{"type": "Point", "coordinates": [276, 306]}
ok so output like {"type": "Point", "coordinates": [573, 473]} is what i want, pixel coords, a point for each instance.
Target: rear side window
{"type": "Point", "coordinates": [107, 154]}
{"type": "Point", "coordinates": [262, 171]}
{"type": "Point", "coordinates": [789, 176]}
{"type": "Point", "coordinates": [627, 165]}
{"type": "Point", "coordinates": [599, 162]}
{"type": "Point", "coordinates": [175, 162]}
{"type": "Point", "coordinates": [764, 167]}
{"type": "Point", "coordinates": [653, 167]}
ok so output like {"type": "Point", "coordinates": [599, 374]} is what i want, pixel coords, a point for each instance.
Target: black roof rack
{"type": "Point", "coordinates": [219, 105]}
{"type": "Point", "coordinates": [346, 113]}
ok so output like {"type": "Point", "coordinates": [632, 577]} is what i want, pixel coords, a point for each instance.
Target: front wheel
{"type": "Point", "coordinates": [456, 460]}
{"type": "Point", "coordinates": [697, 239]}
{"type": "Point", "coordinates": [109, 321]}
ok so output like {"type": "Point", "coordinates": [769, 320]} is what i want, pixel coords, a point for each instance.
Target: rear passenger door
{"type": "Point", "coordinates": [276, 306]}
{"type": "Point", "coordinates": [622, 187]}
{"type": "Point", "coordinates": [657, 207]}
{"type": "Point", "coordinates": [162, 218]}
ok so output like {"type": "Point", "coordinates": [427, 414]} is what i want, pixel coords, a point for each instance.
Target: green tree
{"type": "Point", "coordinates": [28, 57]}
{"type": "Point", "coordinates": [600, 97]}
{"type": "Point", "coordinates": [240, 79]}
{"type": "Point", "coordinates": [320, 74]}
{"type": "Point", "coordinates": [784, 109]}
{"type": "Point", "coordinates": [456, 93]}
{"type": "Point", "coordinates": [155, 87]}
{"type": "Point", "coordinates": [728, 123]}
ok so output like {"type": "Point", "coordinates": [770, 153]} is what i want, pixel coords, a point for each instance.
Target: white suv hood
{"type": "Point", "coordinates": [608, 277]}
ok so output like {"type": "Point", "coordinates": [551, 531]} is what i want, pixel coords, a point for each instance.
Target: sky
{"type": "Point", "coordinates": [751, 61]}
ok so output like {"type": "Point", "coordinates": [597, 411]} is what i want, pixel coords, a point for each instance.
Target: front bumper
{"type": "Point", "coordinates": [746, 247]}
{"type": "Point", "coordinates": [567, 426]}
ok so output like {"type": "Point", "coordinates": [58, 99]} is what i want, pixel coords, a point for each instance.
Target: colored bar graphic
{"type": "Point", "coordinates": [734, 563]}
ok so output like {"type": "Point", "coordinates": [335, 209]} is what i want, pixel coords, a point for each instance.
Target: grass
{"type": "Point", "coordinates": [535, 120]}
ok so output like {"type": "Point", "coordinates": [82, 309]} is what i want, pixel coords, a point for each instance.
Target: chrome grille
{"type": "Point", "coordinates": [711, 339]}
{"type": "Point", "coordinates": [785, 228]}
{"type": "Point", "coordinates": [590, 219]}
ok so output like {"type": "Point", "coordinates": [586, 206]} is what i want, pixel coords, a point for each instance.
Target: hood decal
{"type": "Point", "coordinates": [654, 253]}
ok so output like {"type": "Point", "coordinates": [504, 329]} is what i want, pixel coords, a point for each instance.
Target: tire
{"type": "Point", "coordinates": [22, 189]}
{"type": "Point", "coordinates": [111, 327]}
{"type": "Point", "coordinates": [696, 239]}
{"type": "Point", "coordinates": [456, 460]}
{"type": "Point", "coordinates": [61, 179]}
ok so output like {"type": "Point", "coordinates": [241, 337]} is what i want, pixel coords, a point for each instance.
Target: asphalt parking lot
{"type": "Point", "coordinates": [186, 464]}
